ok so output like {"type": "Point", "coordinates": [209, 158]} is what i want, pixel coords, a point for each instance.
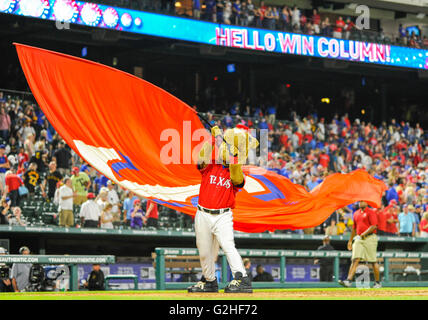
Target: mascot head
{"type": "Point", "coordinates": [236, 144]}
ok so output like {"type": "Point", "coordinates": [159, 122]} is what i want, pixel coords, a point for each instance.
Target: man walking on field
{"type": "Point", "coordinates": [365, 243]}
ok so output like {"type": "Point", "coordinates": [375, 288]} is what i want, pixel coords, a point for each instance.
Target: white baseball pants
{"type": "Point", "coordinates": [212, 232]}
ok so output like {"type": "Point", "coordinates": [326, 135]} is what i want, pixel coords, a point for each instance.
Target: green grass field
{"type": "Point", "coordinates": [261, 294]}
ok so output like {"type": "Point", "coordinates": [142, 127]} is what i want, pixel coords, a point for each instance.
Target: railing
{"type": "Point", "coordinates": [161, 284]}
{"type": "Point", "coordinates": [71, 261]}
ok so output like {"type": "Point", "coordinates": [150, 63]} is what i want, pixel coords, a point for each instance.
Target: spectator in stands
{"type": "Point", "coordinates": [17, 219]}
{"type": "Point", "coordinates": [236, 12]}
{"type": "Point", "coordinates": [65, 199]}
{"type": "Point", "coordinates": [81, 183]}
{"type": "Point", "coordinates": [416, 219]}
{"type": "Point", "coordinates": [152, 215]}
{"type": "Point", "coordinates": [295, 19]}
{"type": "Point", "coordinates": [326, 27]}
{"type": "Point", "coordinates": [392, 219]}
{"type": "Point", "coordinates": [407, 222]}
{"type": "Point", "coordinates": [340, 24]}
{"type": "Point", "coordinates": [5, 283]}
{"type": "Point", "coordinates": [251, 13]}
{"type": "Point", "coordinates": [382, 213]}
{"type": "Point", "coordinates": [5, 124]}
{"type": "Point", "coordinates": [107, 217]}
{"type": "Point", "coordinates": [313, 183]}
{"type": "Point", "coordinates": [95, 280]}
{"type": "Point", "coordinates": [424, 225]}
{"type": "Point", "coordinates": [137, 215]}
{"type": "Point", "coordinates": [5, 210]}
{"type": "Point", "coordinates": [128, 206]}
{"type": "Point", "coordinates": [4, 165]}
{"type": "Point", "coordinates": [316, 21]}
{"type": "Point", "coordinates": [90, 212]}
{"type": "Point", "coordinates": [341, 226]}
{"type": "Point", "coordinates": [102, 198]}
{"type": "Point", "coordinates": [31, 179]}
{"type": "Point", "coordinates": [210, 10]}
{"type": "Point", "coordinates": [62, 157]}
{"type": "Point", "coordinates": [227, 12]}
{"type": "Point", "coordinates": [13, 182]}
{"type": "Point", "coordinates": [331, 230]}
{"type": "Point", "coordinates": [247, 266]}
{"type": "Point", "coordinates": [326, 264]}
{"type": "Point", "coordinates": [20, 273]}
{"type": "Point", "coordinates": [100, 181]}
{"type": "Point", "coordinates": [197, 9]}
{"type": "Point", "coordinates": [53, 176]}
{"type": "Point", "coordinates": [349, 28]}
{"type": "Point", "coordinates": [113, 199]}
{"type": "Point", "coordinates": [262, 275]}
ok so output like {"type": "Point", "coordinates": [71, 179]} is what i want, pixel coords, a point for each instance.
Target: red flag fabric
{"type": "Point", "coordinates": [122, 126]}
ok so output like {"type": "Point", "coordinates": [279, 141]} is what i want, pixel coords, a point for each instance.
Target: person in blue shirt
{"type": "Point", "coordinates": [263, 124]}
{"type": "Point", "coordinates": [128, 206]}
{"type": "Point", "coordinates": [100, 181]}
{"type": "Point", "coordinates": [391, 193]}
{"type": "Point", "coordinates": [196, 9]}
{"type": "Point", "coordinates": [407, 221]}
{"type": "Point", "coordinates": [313, 183]}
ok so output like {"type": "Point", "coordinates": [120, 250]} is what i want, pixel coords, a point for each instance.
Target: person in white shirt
{"type": "Point", "coordinates": [102, 198]}
{"type": "Point", "coordinates": [90, 212]}
{"type": "Point", "coordinates": [113, 198]}
{"type": "Point", "coordinates": [65, 199]}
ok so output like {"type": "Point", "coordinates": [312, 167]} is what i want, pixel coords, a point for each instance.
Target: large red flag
{"type": "Point", "coordinates": [122, 126]}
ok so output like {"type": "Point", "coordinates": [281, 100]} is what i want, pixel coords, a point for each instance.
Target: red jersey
{"type": "Point", "coordinates": [424, 225]}
{"type": "Point", "coordinates": [364, 219]}
{"type": "Point", "coordinates": [13, 182]}
{"type": "Point", "coordinates": [154, 213]}
{"type": "Point", "coordinates": [217, 190]}
{"type": "Point", "coordinates": [324, 160]}
{"type": "Point", "coordinates": [381, 219]}
{"type": "Point", "coordinates": [340, 24]}
{"type": "Point", "coordinates": [391, 227]}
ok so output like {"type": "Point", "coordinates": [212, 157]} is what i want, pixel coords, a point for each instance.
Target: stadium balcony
{"type": "Point", "coordinates": [185, 8]}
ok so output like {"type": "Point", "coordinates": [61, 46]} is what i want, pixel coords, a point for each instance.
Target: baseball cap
{"type": "Point", "coordinates": [136, 201]}
{"type": "Point", "coordinates": [90, 195]}
{"type": "Point", "coordinates": [75, 170]}
{"type": "Point", "coordinates": [411, 207]}
{"type": "Point", "coordinates": [2, 146]}
{"type": "Point", "coordinates": [22, 249]}
{"type": "Point", "coordinates": [84, 168]}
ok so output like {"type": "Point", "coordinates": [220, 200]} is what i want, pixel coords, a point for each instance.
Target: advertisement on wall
{"type": "Point", "coordinates": [66, 12]}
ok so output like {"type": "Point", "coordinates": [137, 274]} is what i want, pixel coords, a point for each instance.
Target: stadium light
{"type": "Point", "coordinates": [178, 4]}
{"type": "Point", "coordinates": [325, 100]}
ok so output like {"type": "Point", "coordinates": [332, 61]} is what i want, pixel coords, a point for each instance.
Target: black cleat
{"type": "Point", "coordinates": [204, 286]}
{"type": "Point", "coordinates": [239, 285]}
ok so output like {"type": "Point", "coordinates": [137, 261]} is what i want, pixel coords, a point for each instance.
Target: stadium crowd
{"type": "Point", "coordinates": [35, 163]}
{"type": "Point", "coordinates": [261, 14]}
